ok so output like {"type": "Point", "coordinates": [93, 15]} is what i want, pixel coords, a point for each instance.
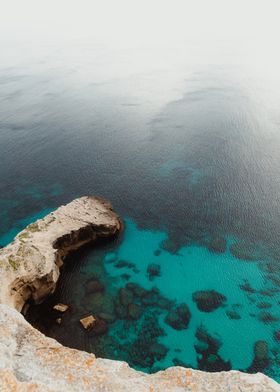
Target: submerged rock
{"type": "Point", "coordinates": [276, 336]}
{"type": "Point", "coordinates": [125, 296]}
{"type": "Point", "coordinates": [179, 318]}
{"type": "Point", "coordinates": [264, 305]}
{"type": "Point", "coordinates": [93, 286]}
{"type": "Point", "coordinates": [261, 356]}
{"type": "Point", "coordinates": [153, 270]}
{"type": "Point", "coordinates": [267, 317]}
{"type": "Point", "coordinates": [233, 315]}
{"type": "Point", "coordinates": [124, 264]}
{"type": "Point", "coordinates": [158, 351]}
{"type": "Point", "coordinates": [134, 311]}
{"type": "Point", "coordinates": [45, 365]}
{"type": "Point", "coordinates": [248, 288]}
{"type": "Point", "coordinates": [246, 251]}
{"type": "Point", "coordinates": [208, 300]}
{"type": "Point", "coordinates": [217, 245]}
{"type": "Point", "coordinates": [208, 357]}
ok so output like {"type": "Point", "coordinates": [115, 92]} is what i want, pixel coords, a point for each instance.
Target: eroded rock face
{"type": "Point", "coordinates": [29, 266]}
{"type": "Point", "coordinates": [29, 361]}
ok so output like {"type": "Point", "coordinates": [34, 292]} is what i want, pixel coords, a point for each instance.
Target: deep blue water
{"type": "Point", "coordinates": [187, 152]}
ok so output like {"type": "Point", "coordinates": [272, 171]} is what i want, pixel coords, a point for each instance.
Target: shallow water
{"type": "Point", "coordinates": [188, 152]}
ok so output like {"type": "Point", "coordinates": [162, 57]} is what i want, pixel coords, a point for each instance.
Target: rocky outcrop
{"type": "Point", "coordinates": [30, 265]}
{"type": "Point", "coordinates": [29, 361]}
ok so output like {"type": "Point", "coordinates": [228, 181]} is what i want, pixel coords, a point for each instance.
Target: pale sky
{"type": "Point", "coordinates": [137, 22]}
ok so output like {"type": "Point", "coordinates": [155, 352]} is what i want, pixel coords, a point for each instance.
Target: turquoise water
{"type": "Point", "coordinates": [184, 141]}
{"type": "Point", "coordinates": [8, 237]}
{"type": "Point", "coordinates": [192, 268]}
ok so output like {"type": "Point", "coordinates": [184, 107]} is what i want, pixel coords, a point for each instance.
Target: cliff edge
{"type": "Point", "coordinates": [29, 361]}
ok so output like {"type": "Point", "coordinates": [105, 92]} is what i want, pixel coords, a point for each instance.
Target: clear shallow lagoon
{"type": "Point", "coordinates": [186, 146]}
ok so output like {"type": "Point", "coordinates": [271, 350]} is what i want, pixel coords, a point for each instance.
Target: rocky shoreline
{"type": "Point", "coordinates": [29, 360]}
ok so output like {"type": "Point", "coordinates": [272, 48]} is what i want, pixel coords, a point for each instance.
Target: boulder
{"type": "Point", "coordinates": [179, 318]}
{"type": "Point", "coordinates": [61, 307]}
{"type": "Point", "coordinates": [88, 322]}
{"type": "Point", "coordinates": [208, 300]}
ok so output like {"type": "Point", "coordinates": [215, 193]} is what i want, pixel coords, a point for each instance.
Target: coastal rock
{"type": "Point", "coordinates": [61, 307]}
{"type": "Point", "coordinates": [208, 300]}
{"type": "Point", "coordinates": [29, 266]}
{"type": "Point", "coordinates": [88, 322]}
{"type": "Point", "coordinates": [179, 318]}
{"type": "Point", "coordinates": [29, 361]}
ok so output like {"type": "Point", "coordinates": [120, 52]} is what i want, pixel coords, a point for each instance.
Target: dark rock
{"type": "Point", "coordinates": [276, 336]}
{"type": "Point", "coordinates": [264, 305]}
{"type": "Point", "coordinates": [134, 311]}
{"type": "Point", "coordinates": [247, 287]}
{"type": "Point", "coordinates": [208, 300]}
{"type": "Point", "coordinates": [108, 317]}
{"type": "Point", "coordinates": [218, 245]}
{"type": "Point", "coordinates": [125, 276]}
{"type": "Point", "coordinates": [269, 292]}
{"type": "Point", "coordinates": [157, 252]}
{"type": "Point", "coordinates": [153, 270]}
{"type": "Point", "coordinates": [164, 303]}
{"type": "Point", "coordinates": [125, 296]}
{"type": "Point", "coordinates": [170, 246]}
{"type": "Point", "coordinates": [267, 317]}
{"type": "Point", "coordinates": [137, 290]}
{"type": "Point", "coordinates": [179, 318]}
{"type": "Point", "coordinates": [124, 264]}
{"type": "Point", "coordinates": [233, 315]}
{"type": "Point", "coordinates": [158, 351]}
{"type": "Point", "coordinates": [261, 357]}
{"type": "Point", "coordinates": [93, 286]}
{"type": "Point", "coordinates": [207, 348]}
{"type": "Point", "coordinates": [244, 251]}
{"type": "Point", "coordinates": [99, 327]}
{"type": "Point", "coordinates": [139, 352]}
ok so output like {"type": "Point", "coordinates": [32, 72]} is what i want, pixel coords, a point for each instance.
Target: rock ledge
{"type": "Point", "coordinates": [29, 361]}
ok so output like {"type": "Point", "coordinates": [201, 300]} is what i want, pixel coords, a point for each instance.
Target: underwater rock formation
{"type": "Point", "coordinates": [179, 318]}
{"type": "Point", "coordinates": [217, 245]}
{"type": "Point", "coordinates": [208, 300]}
{"type": "Point", "coordinates": [31, 361]}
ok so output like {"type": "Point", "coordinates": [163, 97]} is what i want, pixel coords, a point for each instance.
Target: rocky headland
{"type": "Point", "coordinates": [30, 361]}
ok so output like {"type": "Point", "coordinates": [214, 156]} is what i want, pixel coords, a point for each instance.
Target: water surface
{"type": "Point", "coordinates": [186, 146]}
